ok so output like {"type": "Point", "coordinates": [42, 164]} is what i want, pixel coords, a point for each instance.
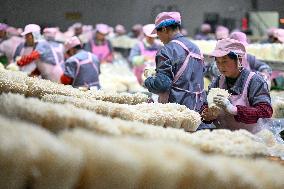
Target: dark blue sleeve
{"type": "Point", "coordinates": [159, 83]}
{"type": "Point", "coordinates": [258, 91]}
{"type": "Point", "coordinates": [18, 50]}
{"type": "Point", "coordinates": [70, 68]}
{"type": "Point", "coordinates": [163, 79]}
{"type": "Point", "coordinates": [257, 65]}
{"type": "Point", "coordinates": [96, 62]}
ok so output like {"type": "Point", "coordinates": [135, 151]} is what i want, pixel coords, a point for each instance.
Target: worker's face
{"type": "Point", "coordinates": [29, 39]}
{"type": "Point", "coordinates": [100, 36]}
{"type": "Point", "coordinates": [2, 34]}
{"type": "Point", "coordinates": [136, 33]}
{"type": "Point", "coordinates": [275, 40]}
{"type": "Point", "coordinates": [78, 31]}
{"type": "Point", "coordinates": [227, 66]}
{"type": "Point", "coordinates": [163, 35]}
{"type": "Point", "coordinates": [70, 53]}
{"type": "Point", "coordinates": [150, 40]}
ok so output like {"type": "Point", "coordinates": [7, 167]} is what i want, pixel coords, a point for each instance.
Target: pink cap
{"type": "Point", "coordinates": [30, 28]}
{"type": "Point", "coordinates": [224, 46]}
{"type": "Point", "coordinates": [239, 36]}
{"type": "Point", "coordinates": [270, 31]}
{"type": "Point", "coordinates": [279, 34]}
{"type": "Point", "coordinates": [166, 19]}
{"type": "Point", "coordinates": [71, 42]}
{"type": "Point", "coordinates": [50, 32]}
{"type": "Point", "coordinates": [102, 28]}
{"type": "Point", "coordinates": [3, 26]}
{"type": "Point", "coordinates": [147, 30]}
{"type": "Point", "coordinates": [120, 29]}
{"type": "Point", "coordinates": [205, 28]}
{"type": "Point", "coordinates": [222, 32]}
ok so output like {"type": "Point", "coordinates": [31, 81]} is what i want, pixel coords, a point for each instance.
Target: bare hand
{"type": "Point", "coordinates": [209, 114]}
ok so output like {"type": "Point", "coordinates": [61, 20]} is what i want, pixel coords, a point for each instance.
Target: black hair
{"type": "Point", "coordinates": [232, 55]}
{"type": "Point", "coordinates": [78, 47]}
{"type": "Point", "coordinates": [173, 27]}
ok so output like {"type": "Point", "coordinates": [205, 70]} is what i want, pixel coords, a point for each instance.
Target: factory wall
{"type": "Point", "coordinates": [127, 12]}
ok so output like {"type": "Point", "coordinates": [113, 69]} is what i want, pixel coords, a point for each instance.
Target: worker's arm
{"type": "Point", "coordinates": [250, 115]}
{"type": "Point", "coordinates": [260, 102]}
{"type": "Point", "coordinates": [35, 55]}
{"type": "Point", "coordinates": [69, 72]}
{"type": "Point", "coordinates": [97, 63]}
{"type": "Point", "coordinates": [66, 80]}
{"type": "Point", "coordinates": [258, 65]}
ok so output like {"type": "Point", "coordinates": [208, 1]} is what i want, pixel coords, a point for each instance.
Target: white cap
{"type": "Point", "coordinates": [31, 28]}
{"type": "Point", "coordinates": [147, 30]}
{"type": "Point", "coordinates": [102, 28]}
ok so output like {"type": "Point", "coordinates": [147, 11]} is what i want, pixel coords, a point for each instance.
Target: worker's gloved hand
{"type": "Point", "coordinates": [21, 61]}
{"type": "Point", "coordinates": [225, 104]}
{"type": "Point", "coordinates": [29, 58]}
{"type": "Point", "coordinates": [208, 115]}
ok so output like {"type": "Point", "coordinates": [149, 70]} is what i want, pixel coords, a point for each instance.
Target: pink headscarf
{"type": "Point", "coordinates": [71, 42]}
{"type": "Point", "coordinates": [279, 34]}
{"type": "Point", "coordinates": [224, 46]}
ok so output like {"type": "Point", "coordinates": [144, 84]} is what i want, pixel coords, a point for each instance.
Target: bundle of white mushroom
{"type": "Point", "coordinates": [167, 115]}
{"type": "Point", "coordinates": [214, 92]}
{"type": "Point", "coordinates": [18, 82]}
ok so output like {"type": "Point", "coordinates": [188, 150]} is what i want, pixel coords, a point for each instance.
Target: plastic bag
{"type": "Point", "coordinates": [275, 126]}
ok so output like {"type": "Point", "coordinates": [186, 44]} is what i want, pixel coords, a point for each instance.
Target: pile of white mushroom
{"type": "Point", "coordinates": [34, 158]}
